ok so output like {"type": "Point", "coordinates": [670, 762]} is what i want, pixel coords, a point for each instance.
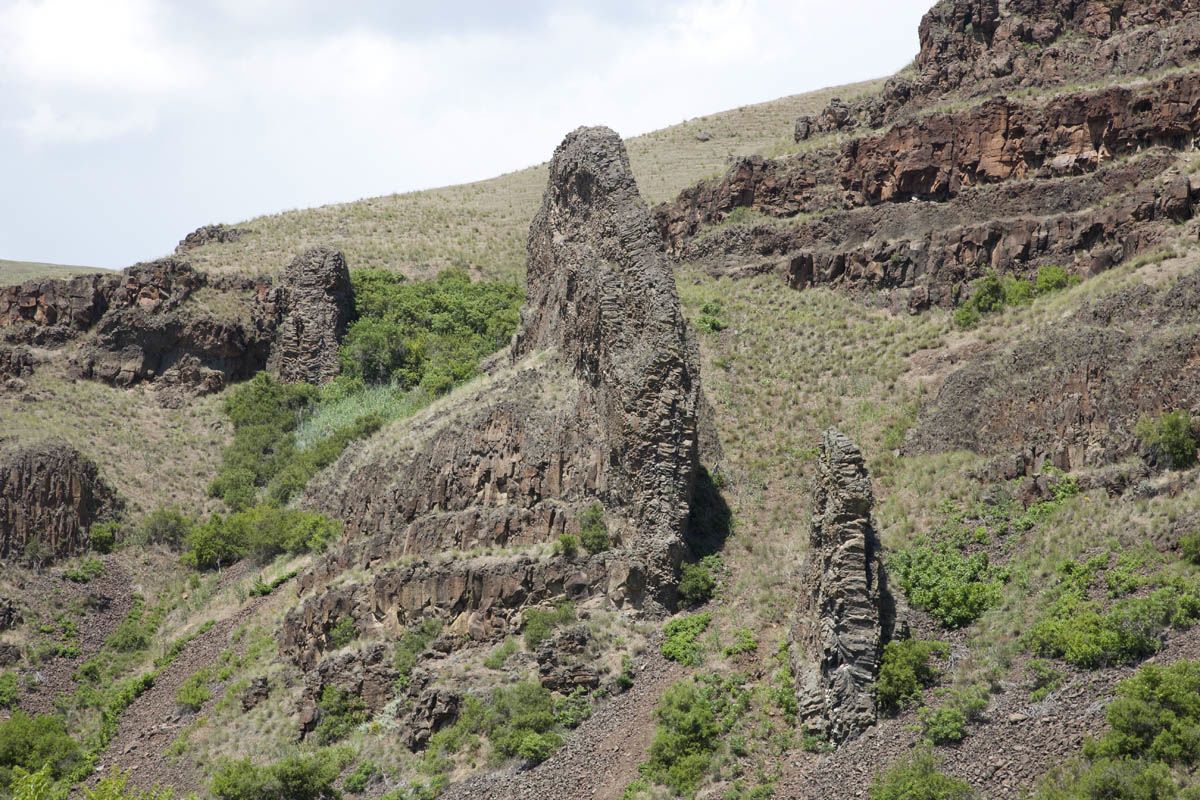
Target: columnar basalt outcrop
{"type": "Point", "coordinates": [1071, 394]}
{"type": "Point", "coordinates": [50, 494]}
{"type": "Point", "coordinates": [599, 403]}
{"type": "Point", "coordinates": [843, 620]}
{"type": "Point", "coordinates": [601, 296]}
{"type": "Point", "coordinates": [317, 302]}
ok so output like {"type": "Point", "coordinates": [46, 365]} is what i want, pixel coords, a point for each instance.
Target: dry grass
{"type": "Point", "coordinates": [482, 226]}
{"type": "Point", "coordinates": [20, 271]}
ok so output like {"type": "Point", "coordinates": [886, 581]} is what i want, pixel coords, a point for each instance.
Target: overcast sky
{"type": "Point", "coordinates": [127, 123]}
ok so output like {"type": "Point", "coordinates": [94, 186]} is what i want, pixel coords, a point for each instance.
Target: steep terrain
{"type": "Point", "coordinates": [934, 508]}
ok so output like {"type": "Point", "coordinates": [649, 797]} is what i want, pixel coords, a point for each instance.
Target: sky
{"type": "Point", "coordinates": [128, 123]}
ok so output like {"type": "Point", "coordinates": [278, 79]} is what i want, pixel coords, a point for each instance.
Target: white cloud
{"type": "Point", "coordinates": [46, 126]}
{"type": "Point", "coordinates": [113, 46]}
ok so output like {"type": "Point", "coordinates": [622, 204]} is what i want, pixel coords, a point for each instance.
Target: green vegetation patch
{"type": "Point", "coordinates": [261, 532]}
{"type": "Point", "coordinates": [991, 293]}
{"type": "Point", "coordinates": [541, 622]}
{"type": "Point", "coordinates": [906, 669]}
{"type": "Point", "coordinates": [681, 638]}
{"type": "Point", "coordinates": [918, 778]}
{"type": "Point", "coordinates": [1168, 440]}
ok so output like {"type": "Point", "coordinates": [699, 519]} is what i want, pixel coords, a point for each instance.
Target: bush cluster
{"type": "Point", "coordinates": [1151, 746]}
{"type": "Point", "coordinates": [905, 670]}
{"type": "Point", "coordinates": [541, 622]}
{"type": "Point", "coordinates": [261, 532]}
{"type": "Point", "coordinates": [1168, 440]}
{"type": "Point", "coordinates": [412, 643]}
{"type": "Point", "coordinates": [295, 777]}
{"type": "Point", "coordinates": [712, 317]}
{"type": "Point", "coordinates": [593, 533]}
{"type": "Point", "coordinates": [1084, 632]}
{"type": "Point", "coordinates": [430, 334]}
{"type": "Point", "coordinates": [32, 742]}
{"type": "Point", "coordinates": [947, 723]}
{"type": "Point", "coordinates": [692, 719]}
{"type": "Point", "coordinates": [918, 778]}
{"type": "Point", "coordinates": [681, 638]}
{"type": "Point", "coordinates": [991, 293]}
{"type": "Point", "coordinates": [9, 690]}
{"type": "Point", "coordinates": [955, 588]}
{"type": "Point", "coordinates": [193, 693]}
{"type": "Point", "coordinates": [340, 713]}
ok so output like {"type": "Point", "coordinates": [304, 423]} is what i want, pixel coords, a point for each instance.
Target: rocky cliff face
{"type": "Point", "coordinates": [843, 620]}
{"type": "Point", "coordinates": [317, 302]}
{"type": "Point", "coordinates": [50, 494]}
{"type": "Point", "coordinates": [599, 404]}
{"type": "Point", "coordinates": [1070, 394]}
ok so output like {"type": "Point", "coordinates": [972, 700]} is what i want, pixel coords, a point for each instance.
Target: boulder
{"type": "Point", "coordinates": [844, 618]}
{"type": "Point", "coordinates": [209, 234]}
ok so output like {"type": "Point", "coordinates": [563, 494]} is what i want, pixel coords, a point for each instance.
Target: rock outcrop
{"type": "Point", "coordinates": [600, 403]}
{"type": "Point", "coordinates": [937, 156]}
{"type": "Point", "coordinates": [976, 48]}
{"type": "Point", "coordinates": [316, 302]}
{"type": "Point", "coordinates": [1071, 394]}
{"type": "Point", "coordinates": [844, 620]}
{"type": "Point", "coordinates": [16, 363]}
{"type": "Point", "coordinates": [50, 494]}
{"type": "Point", "coordinates": [209, 234]}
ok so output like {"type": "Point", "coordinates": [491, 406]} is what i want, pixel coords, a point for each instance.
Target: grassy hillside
{"type": "Point", "coordinates": [21, 271]}
{"type": "Point", "coordinates": [482, 226]}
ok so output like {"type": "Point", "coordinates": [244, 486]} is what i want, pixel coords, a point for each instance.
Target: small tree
{"type": "Point", "coordinates": [1168, 441]}
{"type": "Point", "coordinates": [592, 531]}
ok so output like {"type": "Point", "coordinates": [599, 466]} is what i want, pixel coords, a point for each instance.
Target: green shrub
{"type": "Point", "coordinates": [520, 721]}
{"type": "Point", "coordinates": [1083, 632]}
{"type": "Point", "coordinates": [1017, 291]}
{"type": "Point", "coordinates": [9, 689]}
{"type": "Point", "coordinates": [85, 571]}
{"type": "Point", "coordinates": [681, 638]}
{"type": "Point", "coordinates": [500, 654]}
{"type": "Point", "coordinates": [685, 739]}
{"type": "Point", "coordinates": [361, 776]}
{"type": "Point", "coordinates": [947, 723]}
{"type": "Point", "coordinates": [1189, 547]}
{"type": "Point", "coordinates": [1053, 278]}
{"type": "Point", "coordinates": [592, 531]}
{"type": "Point", "coordinates": [167, 525]}
{"type": "Point", "coordinates": [573, 709]}
{"type": "Point", "coordinates": [295, 475]}
{"type": "Point", "coordinates": [343, 632]}
{"type": "Point", "coordinates": [296, 777]}
{"type": "Point", "coordinates": [1045, 679]}
{"type": "Point", "coordinates": [31, 742]}
{"type": "Point", "coordinates": [136, 631]}
{"type": "Point", "coordinates": [428, 333]}
{"type": "Point", "coordinates": [264, 413]}
{"type": "Point", "coordinates": [744, 641]}
{"type": "Point", "coordinates": [967, 317]}
{"type": "Point", "coordinates": [568, 545]}
{"type": "Point", "coordinates": [193, 693]}
{"type": "Point", "coordinates": [540, 622]}
{"type": "Point", "coordinates": [262, 532]}
{"type": "Point", "coordinates": [102, 536]}
{"type": "Point", "coordinates": [953, 587]}
{"type": "Point", "coordinates": [413, 642]}
{"type": "Point", "coordinates": [711, 319]}
{"type": "Point", "coordinates": [1153, 724]}
{"type": "Point", "coordinates": [917, 778]}
{"type": "Point", "coordinates": [905, 670]}
{"type": "Point", "coordinates": [340, 713]}
{"type": "Point", "coordinates": [697, 584]}
{"type": "Point", "coordinates": [38, 785]}
{"type": "Point", "coordinates": [1168, 441]}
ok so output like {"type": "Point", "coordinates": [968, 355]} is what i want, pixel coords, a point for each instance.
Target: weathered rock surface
{"type": "Point", "coordinates": [600, 403]}
{"type": "Point", "coordinates": [937, 156]}
{"type": "Point", "coordinates": [844, 619]}
{"type": "Point", "coordinates": [16, 362]}
{"type": "Point", "coordinates": [50, 494]}
{"type": "Point", "coordinates": [316, 302]}
{"type": "Point", "coordinates": [974, 48]}
{"type": "Point", "coordinates": [10, 614]}
{"type": "Point", "coordinates": [601, 295]}
{"type": "Point", "coordinates": [1071, 394]}
{"type": "Point", "coordinates": [209, 234]}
